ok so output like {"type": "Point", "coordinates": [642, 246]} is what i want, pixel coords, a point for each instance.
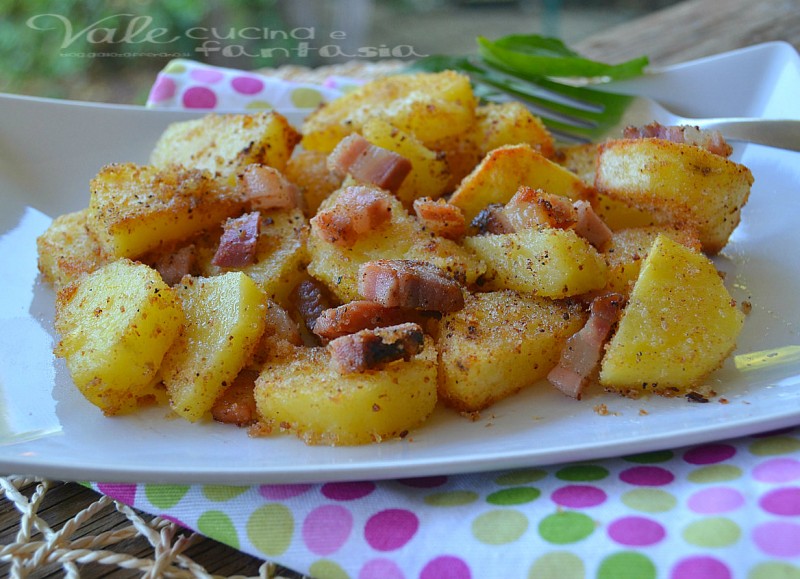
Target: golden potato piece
{"type": "Point", "coordinates": [500, 343]}
{"type": "Point", "coordinates": [135, 209]}
{"type": "Point", "coordinates": [309, 171]}
{"type": "Point", "coordinates": [225, 144]}
{"type": "Point", "coordinates": [679, 325]}
{"type": "Point", "coordinates": [430, 106]}
{"type": "Point", "coordinates": [116, 325]}
{"type": "Point", "coordinates": [504, 170]}
{"type": "Point", "coordinates": [67, 250]}
{"type": "Point", "coordinates": [511, 123]}
{"type": "Point", "coordinates": [305, 394]}
{"type": "Point", "coordinates": [554, 263]}
{"type": "Point", "coordinates": [225, 318]}
{"type": "Point", "coordinates": [678, 183]}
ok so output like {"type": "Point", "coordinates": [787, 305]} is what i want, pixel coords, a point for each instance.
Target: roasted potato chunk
{"type": "Point", "coordinates": [304, 393]}
{"type": "Point", "coordinates": [430, 106]}
{"type": "Point", "coordinates": [511, 123]}
{"type": "Point", "coordinates": [678, 184]}
{"type": "Point", "coordinates": [225, 318]}
{"type": "Point", "coordinates": [116, 324]}
{"type": "Point", "coordinates": [679, 325]}
{"type": "Point", "coordinates": [136, 209]}
{"type": "Point", "coordinates": [225, 144]}
{"type": "Point", "coordinates": [67, 250]}
{"type": "Point", "coordinates": [553, 263]}
{"type": "Point", "coordinates": [525, 333]}
{"type": "Point", "coordinates": [504, 170]}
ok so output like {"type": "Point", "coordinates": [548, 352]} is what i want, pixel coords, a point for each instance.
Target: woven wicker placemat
{"type": "Point", "coordinates": [81, 533]}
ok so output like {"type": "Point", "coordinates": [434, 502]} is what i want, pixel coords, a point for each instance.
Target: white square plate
{"type": "Point", "coordinates": [49, 150]}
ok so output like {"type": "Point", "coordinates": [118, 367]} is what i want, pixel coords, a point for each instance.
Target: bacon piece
{"type": "Point", "coordinates": [409, 283]}
{"type": "Point", "coordinates": [311, 299]}
{"type": "Point", "coordinates": [590, 226]}
{"type": "Point", "coordinates": [177, 264]}
{"type": "Point", "coordinates": [237, 246]}
{"type": "Point", "coordinates": [266, 188]}
{"type": "Point", "coordinates": [492, 219]}
{"type": "Point", "coordinates": [530, 208]}
{"type": "Point", "coordinates": [237, 403]}
{"type": "Point", "coordinates": [362, 315]}
{"type": "Point", "coordinates": [370, 349]}
{"type": "Point", "coordinates": [711, 140]}
{"type": "Point", "coordinates": [584, 349]}
{"type": "Point", "coordinates": [441, 218]}
{"type": "Point", "coordinates": [358, 210]}
{"type": "Point", "coordinates": [369, 163]}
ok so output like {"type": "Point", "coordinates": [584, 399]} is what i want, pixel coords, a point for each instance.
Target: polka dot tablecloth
{"type": "Point", "coordinates": [717, 511]}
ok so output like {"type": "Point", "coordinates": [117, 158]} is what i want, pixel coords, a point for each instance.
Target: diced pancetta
{"type": "Point", "coordinates": [237, 403]}
{"type": "Point", "coordinates": [360, 315]}
{"type": "Point", "coordinates": [711, 140]}
{"type": "Point", "coordinates": [371, 349]}
{"type": "Point", "coordinates": [266, 188]}
{"type": "Point", "coordinates": [441, 218]}
{"type": "Point", "coordinates": [310, 298]}
{"type": "Point", "coordinates": [237, 246]}
{"type": "Point", "coordinates": [357, 211]}
{"type": "Point", "coordinates": [589, 226]}
{"type": "Point", "coordinates": [369, 163]}
{"type": "Point", "coordinates": [584, 349]}
{"type": "Point", "coordinates": [173, 266]}
{"type": "Point", "coordinates": [409, 284]}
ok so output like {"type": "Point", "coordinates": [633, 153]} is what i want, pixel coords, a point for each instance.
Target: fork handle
{"type": "Point", "coordinates": [780, 133]}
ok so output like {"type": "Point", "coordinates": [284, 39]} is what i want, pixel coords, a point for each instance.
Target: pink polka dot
{"type": "Point", "coordinates": [709, 454]}
{"type": "Point", "coordinates": [715, 500]}
{"type": "Point", "coordinates": [163, 89]}
{"type": "Point", "coordinates": [427, 482]}
{"type": "Point", "coordinates": [445, 567]}
{"type": "Point", "coordinates": [282, 492]}
{"type": "Point", "coordinates": [123, 493]}
{"type": "Point", "coordinates": [380, 569]}
{"type": "Point", "coordinates": [647, 476]}
{"type": "Point", "coordinates": [700, 567]}
{"type": "Point", "coordinates": [199, 97]}
{"type": "Point", "coordinates": [326, 529]}
{"type": "Point", "coordinates": [636, 531]}
{"type": "Point", "coordinates": [247, 85]}
{"type": "Point", "coordinates": [347, 491]}
{"type": "Point", "coordinates": [579, 496]}
{"type": "Point", "coordinates": [206, 75]}
{"type": "Point", "coordinates": [390, 529]}
{"type": "Point", "coordinates": [777, 470]}
{"type": "Point", "coordinates": [784, 502]}
{"type": "Point", "coordinates": [778, 538]}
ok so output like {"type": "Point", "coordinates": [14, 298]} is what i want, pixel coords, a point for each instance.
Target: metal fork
{"type": "Point", "coordinates": [581, 114]}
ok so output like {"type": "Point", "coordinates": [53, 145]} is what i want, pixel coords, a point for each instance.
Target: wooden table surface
{"type": "Point", "coordinates": [685, 31]}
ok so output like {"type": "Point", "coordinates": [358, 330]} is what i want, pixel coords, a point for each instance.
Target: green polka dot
{"type": "Point", "coordinates": [499, 527]}
{"type": "Point", "coordinates": [775, 445]}
{"type": "Point", "coordinates": [270, 529]}
{"type": "Point", "coordinates": [520, 477]}
{"type": "Point", "coordinates": [715, 473]}
{"type": "Point", "coordinates": [306, 98]}
{"type": "Point", "coordinates": [451, 498]}
{"type": "Point", "coordinates": [175, 67]}
{"type": "Point", "coordinates": [626, 565]}
{"type": "Point", "coordinates": [327, 569]}
{"type": "Point", "coordinates": [649, 500]}
{"type": "Point", "coordinates": [218, 526]}
{"type": "Point", "coordinates": [712, 532]}
{"type": "Point", "coordinates": [258, 105]}
{"type": "Point", "coordinates": [651, 457]}
{"type": "Point", "coordinates": [557, 565]}
{"type": "Point", "coordinates": [774, 570]}
{"type": "Point", "coordinates": [514, 496]}
{"type": "Point", "coordinates": [566, 527]}
{"type": "Point", "coordinates": [165, 496]}
{"type": "Point", "coordinates": [222, 493]}
{"type": "Point", "coordinates": [582, 472]}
